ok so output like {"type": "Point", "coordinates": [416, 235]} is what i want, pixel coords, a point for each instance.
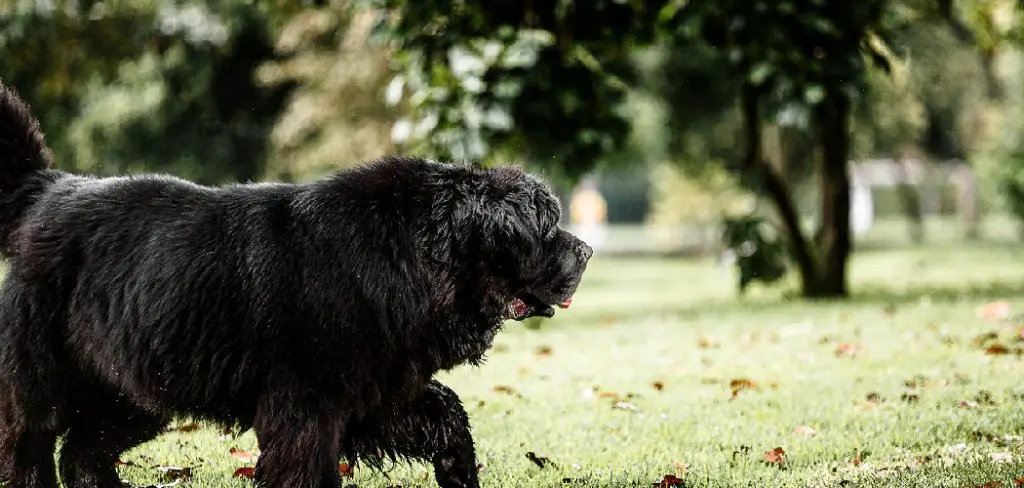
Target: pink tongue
{"type": "Point", "coordinates": [566, 303]}
{"type": "Point", "coordinates": [519, 307]}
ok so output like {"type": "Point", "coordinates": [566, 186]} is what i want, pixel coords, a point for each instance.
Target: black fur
{"type": "Point", "coordinates": [316, 314]}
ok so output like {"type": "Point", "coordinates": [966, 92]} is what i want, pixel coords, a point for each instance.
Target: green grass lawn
{"type": "Point", "coordinates": [636, 382]}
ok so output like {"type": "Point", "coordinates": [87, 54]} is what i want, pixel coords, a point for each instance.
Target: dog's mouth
{"type": "Point", "coordinates": [527, 305]}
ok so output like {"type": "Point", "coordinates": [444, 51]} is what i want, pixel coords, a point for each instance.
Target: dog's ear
{"type": "Point", "coordinates": [501, 208]}
{"type": "Point", "coordinates": [503, 181]}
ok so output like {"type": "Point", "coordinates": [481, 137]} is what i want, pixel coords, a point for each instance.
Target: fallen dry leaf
{"type": "Point", "coordinates": [244, 456]}
{"type": "Point", "coordinates": [246, 472]}
{"type": "Point", "coordinates": [543, 351]}
{"type": "Point", "coordinates": [856, 460]}
{"type": "Point", "coordinates": [995, 310]}
{"type": "Point", "coordinates": [657, 385]}
{"type": "Point", "coordinates": [775, 457]}
{"type": "Point", "coordinates": [188, 428]}
{"type": "Point", "coordinates": [668, 481]}
{"type": "Point", "coordinates": [705, 343]}
{"type": "Point", "coordinates": [848, 349]}
{"type": "Point", "coordinates": [740, 384]}
{"type": "Point", "coordinates": [540, 461]}
{"type": "Point", "coordinates": [508, 390]}
{"type": "Point", "coordinates": [123, 463]}
{"type": "Point", "coordinates": [997, 349]}
{"type": "Point", "coordinates": [804, 431]}
{"type": "Point", "coordinates": [346, 471]}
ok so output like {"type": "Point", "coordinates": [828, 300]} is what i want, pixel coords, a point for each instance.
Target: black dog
{"type": "Point", "coordinates": [316, 314]}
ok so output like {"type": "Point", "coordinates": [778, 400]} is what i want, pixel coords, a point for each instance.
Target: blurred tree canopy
{"type": "Point", "coordinates": [336, 114]}
{"type": "Point", "coordinates": [132, 85]}
{"type": "Point", "coordinates": [480, 80]}
{"type": "Point", "coordinates": [772, 94]}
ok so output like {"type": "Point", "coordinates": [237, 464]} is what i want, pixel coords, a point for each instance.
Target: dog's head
{"type": "Point", "coordinates": [505, 227]}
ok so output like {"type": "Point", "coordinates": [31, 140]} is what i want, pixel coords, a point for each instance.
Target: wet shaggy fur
{"type": "Point", "coordinates": [316, 313]}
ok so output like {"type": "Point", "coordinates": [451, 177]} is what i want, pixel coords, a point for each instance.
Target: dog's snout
{"type": "Point", "coordinates": [586, 251]}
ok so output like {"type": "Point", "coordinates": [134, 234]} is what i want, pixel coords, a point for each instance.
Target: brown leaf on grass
{"type": "Point", "coordinates": [508, 390]}
{"type": "Point", "coordinates": [848, 349]}
{"type": "Point", "coordinates": [657, 385]}
{"type": "Point", "coordinates": [997, 349]}
{"type": "Point", "coordinates": [245, 472]}
{"type": "Point", "coordinates": [994, 311]}
{"type": "Point", "coordinates": [1018, 482]}
{"type": "Point", "coordinates": [804, 431]}
{"type": "Point", "coordinates": [540, 461]}
{"type": "Point", "coordinates": [856, 460]}
{"type": "Point", "coordinates": [123, 463]}
{"type": "Point", "coordinates": [544, 350]}
{"type": "Point", "coordinates": [244, 456]}
{"type": "Point", "coordinates": [670, 480]}
{"type": "Point", "coordinates": [705, 343]}
{"type": "Point", "coordinates": [188, 428]}
{"type": "Point", "coordinates": [740, 384]}
{"type": "Point", "coordinates": [968, 404]}
{"type": "Point", "coordinates": [776, 457]}
{"type": "Point", "coordinates": [345, 470]}
{"type": "Point", "coordinates": [608, 395]}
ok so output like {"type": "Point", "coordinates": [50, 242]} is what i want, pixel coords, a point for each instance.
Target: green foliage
{"type": "Point", "coordinates": [146, 85]}
{"type": "Point", "coordinates": [680, 198]}
{"type": "Point", "coordinates": [540, 81]}
{"type": "Point", "coordinates": [759, 252]}
{"type": "Point", "coordinates": [336, 114]}
{"type": "Point", "coordinates": [793, 50]}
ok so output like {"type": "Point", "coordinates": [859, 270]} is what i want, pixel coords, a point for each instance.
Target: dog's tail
{"type": "Point", "coordinates": [25, 162]}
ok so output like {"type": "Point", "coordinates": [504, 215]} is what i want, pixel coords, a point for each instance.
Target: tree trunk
{"type": "Point", "coordinates": [774, 186]}
{"type": "Point", "coordinates": [836, 239]}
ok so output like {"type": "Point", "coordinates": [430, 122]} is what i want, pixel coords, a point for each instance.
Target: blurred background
{"type": "Point", "coordinates": [776, 136]}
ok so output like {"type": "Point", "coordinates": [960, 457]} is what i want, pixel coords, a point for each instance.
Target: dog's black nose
{"type": "Point", "coordinates": [586, 251]}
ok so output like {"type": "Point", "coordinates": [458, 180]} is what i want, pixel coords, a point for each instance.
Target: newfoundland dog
{"type": "Point", "coordinates": [316, 314]}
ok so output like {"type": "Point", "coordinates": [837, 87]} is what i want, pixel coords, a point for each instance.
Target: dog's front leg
{"type": "Point", "coordinates": [433, 427]}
